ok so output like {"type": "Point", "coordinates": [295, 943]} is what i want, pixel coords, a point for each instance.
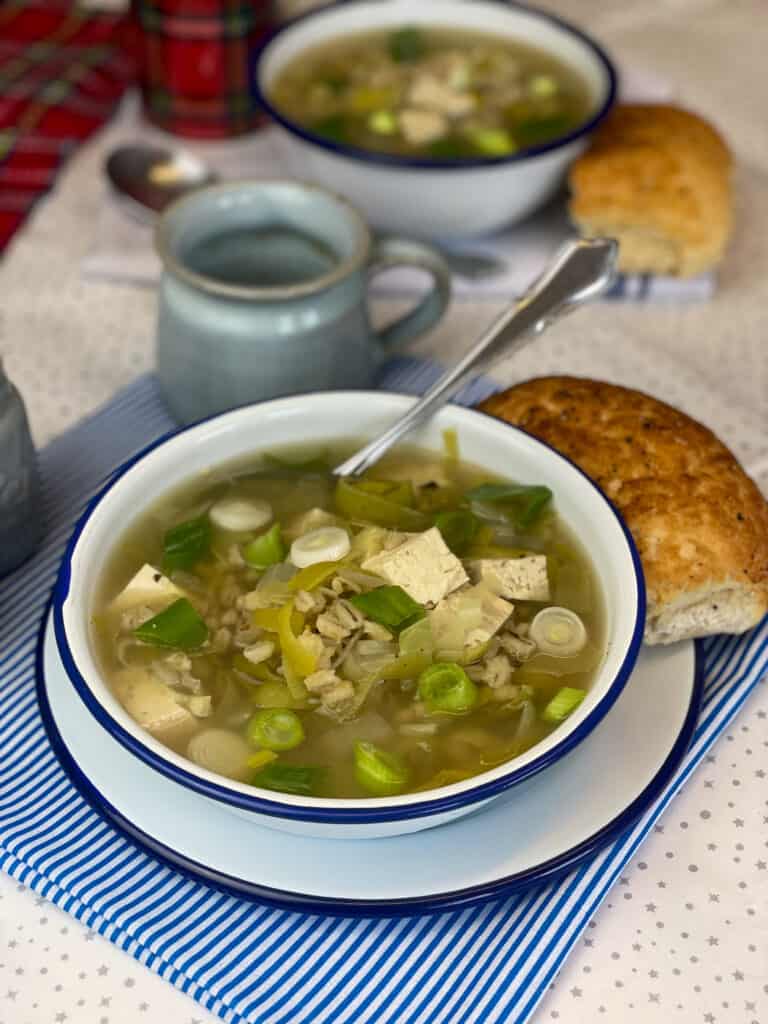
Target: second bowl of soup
{"type": "Point", "coordinates": [438, 119]}
{"type": "Point", "coordinates": [358, 656]}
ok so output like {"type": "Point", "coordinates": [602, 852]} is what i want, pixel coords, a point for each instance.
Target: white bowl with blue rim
{"type": "Point", "coordinates": [432, 198]}
{"type": "Point", "coordinates": [324, 419]}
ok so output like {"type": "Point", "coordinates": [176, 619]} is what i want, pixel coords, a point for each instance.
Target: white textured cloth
{"type": "Point", "coordinates": [683, 937]}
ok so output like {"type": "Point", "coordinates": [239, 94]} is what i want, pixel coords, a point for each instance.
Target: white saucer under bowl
{"type": "Point", "coordinates": [539, 829]}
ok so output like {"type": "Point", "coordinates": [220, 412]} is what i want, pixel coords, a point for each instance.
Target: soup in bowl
{"type": "Point", "coordinates": [440, 119]}
{"type": "Point", "coordinates": [360, 656]}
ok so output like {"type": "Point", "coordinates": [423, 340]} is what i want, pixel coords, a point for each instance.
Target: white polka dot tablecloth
{"type": "Point", "coordinates": [683, 936]}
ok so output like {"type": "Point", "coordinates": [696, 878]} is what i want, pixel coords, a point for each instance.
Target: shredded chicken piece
{"type": "Point", "coordinates": [308, 602]}
{"type": "Point", "coordinates": [519, 648]}
{"type": "Point", "coordinates": [180, 661]}
{"type": "Point", "coordinates": [222, 639]}
{"type": "Point", "coordinates": [420, 126]}
{"type": "Point", "coordinates": [339, 620]}
{"type": "Point", "coordinates": [337, 695]}
{"type": "Point", "coordinates": [318, 681]}
{"type": "Point", "coordinates": [494, 672]}
{"type": "Point", "coordinates": [430, 94]}
{"type": "Point", "coordinates": [339, 700]}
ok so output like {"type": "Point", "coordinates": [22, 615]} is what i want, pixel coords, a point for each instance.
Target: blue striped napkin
{"type": "Point", "coordinates": [248, 963]}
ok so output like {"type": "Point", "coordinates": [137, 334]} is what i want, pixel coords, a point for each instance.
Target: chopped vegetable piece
{"type": "Point", "coordinates": [417, 638]}
{"type": "Point", "coordinates": [220, 751]}
{"type": "Point", "coordinates": [383, 122]}
{"type": "Point", "coordinates": [275, 729]}
{"type": "Point", "coordinates": [558, 631]}
{"type": "Point", "coordinates": [260, 671]}
{"type": "Point", "coordinates": [434, 497]}
{"type": "Point", "coordinates": [407, 44]}
{"type": "Point", "coordinates": [185, 544]}
{"type": "Point", "coordinates": [451, 444]}
{"type": "Point", "coordinates": [445, 686]}
{"type": "Point", "coordinates": [334, 127]}
{"type": "Point", "coordinates": [276, 694]}
{"type": "Point", "coordinates": [179, 626]}
{"type": "Point", "coordinates": [451, 148]}
{"type": "Point", "coordinates": [366, 99]}
{"type": "Point", "coordinates": [523, 504]}
{"type": "Point", "coordinates": [297, 657]}
{"type": "Point", "coordinates": [359, 500]}
{"type": "Point", "coordinates": [302, 779]}
{"type": "Point", "coordinates": [378, 771]}
{"type": "Point", "coordinates": [267, 549]}
{"type": "Point", "coordinates": [493, 141]}
{"type": "Point", "coordinates": [389, 606]}
{"type": "Point", "coordinates": [261, 758]}
{"type": "Point", "coordinates": [398, 491]}
{"type": "Point", "coordinates": [312, 576]}
{"type": "Point", "coordinates": [266, 618]}
{"type": "Point", "coordinates": [542, 86]}
{"type": "Point", "coordinates": [459, 528]}
{"type": "Point", "coordinates": [563, 703]}
{"type": "Point", "coordinates": [238, 515]}
{"type": "Point", "coordinates": [542, 129]}
{"type": "Point", "coordinates": [326, 544]}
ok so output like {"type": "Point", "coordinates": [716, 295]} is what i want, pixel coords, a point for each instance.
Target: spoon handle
{"type": "Point", "coordinates": [581, 270]}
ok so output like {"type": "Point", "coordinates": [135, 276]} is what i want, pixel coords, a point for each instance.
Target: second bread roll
{"type": "Point", "coordinates": [657, 178]}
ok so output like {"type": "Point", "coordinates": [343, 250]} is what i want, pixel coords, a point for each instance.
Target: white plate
{"type": "Point", "coordinates": [539, 829]}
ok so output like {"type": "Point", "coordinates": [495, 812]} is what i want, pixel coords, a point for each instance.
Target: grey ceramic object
{"type": "Point", "coordinates": [223, 344]}
{"type": "Point", "coordinates": [20, 512]}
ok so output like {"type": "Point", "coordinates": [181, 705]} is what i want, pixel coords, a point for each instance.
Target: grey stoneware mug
{"type": "Point", "coordinates": [264, 293]}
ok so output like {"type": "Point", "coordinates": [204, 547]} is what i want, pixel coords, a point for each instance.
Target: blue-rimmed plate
{"type": "Point", "coordinates": [538, 830]}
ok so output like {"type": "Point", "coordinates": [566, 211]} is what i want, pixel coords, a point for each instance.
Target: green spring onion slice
{"type": "Point", "coordinates": [275, 729]}
{"type": "Point", "coordinates": [378, 771]}
{"type": "Point", "coordinates": [445, 686]}
{"type": "Point", "coordinates": [266, 549]}
{"type": "Point", "coordinates": [565, 701]}
{"type": "Point", "coordinates": [389, 606]}
{"type": "Point", "coordinates": [179, 626]}
{"type": "Point", "coordinates": [521, 503]}
{"type": "Point", "coordinates": [302, 779]}
{"type": "Point", "coordinates": [185, 544]}
{"type": "Point", "coordinates": [407, 44]}
{"type": "Point", "coordinates": [458, 528]}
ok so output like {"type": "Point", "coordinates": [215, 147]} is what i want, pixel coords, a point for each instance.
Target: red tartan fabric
{"type": "Point", "coordinates": [62, 70]}
{"type": "Point", "coordinates": [196, 60]}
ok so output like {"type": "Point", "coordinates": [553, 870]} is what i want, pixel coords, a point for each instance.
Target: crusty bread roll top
{"type": "Point", "coordinates": [699, 522]}
{"type": "Point", "coordinates": [657, 178]}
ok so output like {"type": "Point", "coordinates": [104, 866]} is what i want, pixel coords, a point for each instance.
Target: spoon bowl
{"type": "Point", "coordinates": [149, 178]}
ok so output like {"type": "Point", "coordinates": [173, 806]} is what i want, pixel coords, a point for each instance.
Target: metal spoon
{"type": "Point", "coordinates": [147, 178]}
{"type": "Point", "coordinates": [581, 270]}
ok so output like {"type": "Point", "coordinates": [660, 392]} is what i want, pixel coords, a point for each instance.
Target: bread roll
{"type": "Point", "coordinates": [656, 178]}
{"type": "Point", "coordinates": [699, 522]}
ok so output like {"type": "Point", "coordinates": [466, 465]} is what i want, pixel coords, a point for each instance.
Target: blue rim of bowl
{"type": "Point", "coordinates": [464, 163]}
{"type": "Point", "coordinates": [547, 871]}
{"type": "Point", "coordinates": [337, 815]}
